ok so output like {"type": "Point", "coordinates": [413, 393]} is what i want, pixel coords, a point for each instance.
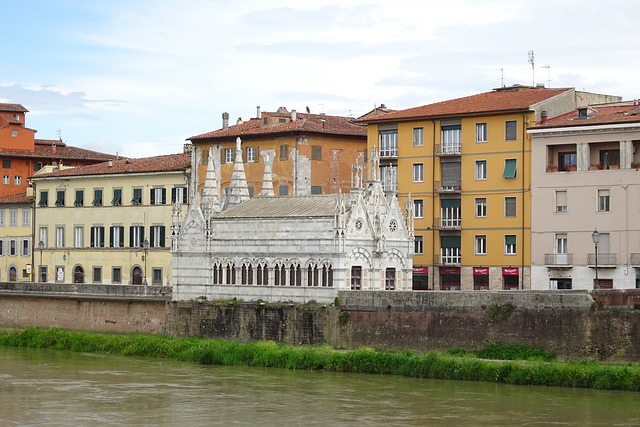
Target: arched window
{"type": "Point", "coordinates": [312, 275]}
{"type": "Point", "coordinates": [231, 274]}
{"type": "Point", "coordinates": [247, 274]}
{"type": "Point", "coordinates": [295, 275]}
{"type": "Point", "coordinates": [78, 275]}
{"type": "Point", "coordinates": [13, 274]}
{"type": "Point", "coordinates": [327, 276]}
{"type": "Point", "coordinates": [281, 275]}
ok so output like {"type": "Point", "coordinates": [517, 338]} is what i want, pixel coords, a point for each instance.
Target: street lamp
{"type": "Point", "coordinates": [595, 236]}
{"type": "Point", "coordinates": [41, 247]}
{"type": "Point", "coordinates": [145, 244]}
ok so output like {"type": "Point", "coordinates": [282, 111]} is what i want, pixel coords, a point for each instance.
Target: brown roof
{"type": "Point", "coordinates": [318, 123]}
{"type": "Point", "coordinates": [43, 150]}
{"type": "Point", "coordinates": [171, 162]}
{"type": "Point", "coordinates": [626, 112]}
{"type": "Point", "coordinates": [13, 108]}
{"type": "Point", "coordinates": [16, 198]}
{"type": "Point", "coordinates": [517, 99]}
{"type": "Point", "coordinates": [10, 119]}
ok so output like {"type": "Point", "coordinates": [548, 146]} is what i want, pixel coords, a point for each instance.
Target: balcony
{"type": "Point", "coordinates": [448, 150]}
{"type": "Point", "coordinates": [605, 259]}
{"type": "Point", "coordinates": [448, 257]}
{"type": "Point", "coordinates": [558, 260]}
{"type": "Point", "coordinates": [449, 189]}
{"type": "Point", "coordinates": [448, 223]}
{"type": "Point", "coordinates": [635, 260]}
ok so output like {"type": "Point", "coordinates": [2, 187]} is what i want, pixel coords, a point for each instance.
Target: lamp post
{"type": "Point", "coordinates": [145, 244]}
{"type": "Point", "coordinates": [41, 247]}
{"type": "Point", "coordinates": [595, 236]}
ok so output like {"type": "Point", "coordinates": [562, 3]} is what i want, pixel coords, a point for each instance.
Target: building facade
{"type": "Point", "coordinates": [15, 238]}
{"type": "Point", "coordinates": [305, 153]}
{"type": "Point", "coordinates": [22, 155]}
{"type": "Point", "coordinates": [586, 178]}
{"type": "Point", "coordinates": [465, 166]}
{"type": "Point", "coordinates": [109, 222]}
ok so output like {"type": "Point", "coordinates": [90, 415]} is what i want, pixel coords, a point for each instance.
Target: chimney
{"type": "Point", "coordinates": [258, 111]}
{"type": "Point", "coordinates": [53, 149]}
{"type": "Point", "coordinates": [294, 115]}
{"type": "Point", "coordinates": [239, 121]}
{"type": "Point", "coordinates": [544, 117]}
{"type": "Point", "coordinates": [110, 163]}
{"type": "Point", "coordinates": [225, 120]}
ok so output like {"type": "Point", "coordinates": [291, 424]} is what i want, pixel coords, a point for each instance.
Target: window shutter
{"type": "Point", "coordinates": [244, 155]}
{"type": "Point", "coordinates": [141, 234]}
{"type": "Point", "coordinates": [256, 154]}
{"type": "Point", "coordinates": [122, 237]}
{"type": "Point", "coordinates": [451, 174]}
{"type": "Point", "coordinates": [223, 154]}
{"type": "Point", "coordinates": [184, 195]}
{"type": "Point", "coordinates": [152, 237]}
{"type": "Point", "coordinates": [131, 236]}
{"type": "Point", "coordinates": [152, 196]}
{"type": "Point", "coordinates": [162, 236]}
{"type": "Point", "coordinates": [102, 237]}
{"type": "Point", "coordinates": [173, 195]}
{"type": "Point", "coordinates": [510, 239]}
{"type": "Point", "coordinates": [164, 196]}
{"type": "Point", "coordinates": [111, 236]}
{"type": "Point", "coordinates": [450, 242]}
{"type": "Point", "coordinates": [93, 232]}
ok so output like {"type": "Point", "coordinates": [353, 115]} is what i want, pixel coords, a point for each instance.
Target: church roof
{"type": "Point", "coordinates": [283, 207]}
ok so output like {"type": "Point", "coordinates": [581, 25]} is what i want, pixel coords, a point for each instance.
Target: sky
{"type": "Point", "coordinates": [139, 77]}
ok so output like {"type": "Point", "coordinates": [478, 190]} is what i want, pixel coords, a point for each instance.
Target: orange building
{"type": "Point", "coordinates": [305, 153]}
{"type": "Point", "coordinates": [22, 154]}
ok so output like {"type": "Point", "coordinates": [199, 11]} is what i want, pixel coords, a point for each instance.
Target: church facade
{"type": "Point", "coordinates": [291, 248]}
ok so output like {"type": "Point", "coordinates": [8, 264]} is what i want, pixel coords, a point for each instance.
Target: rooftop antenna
{"type": "Point", "coordinates": [548, 67]}
{"type": "Point", "coordinates": [59, 135]}
{"type": "Point", "coordinates": [501, 76]}
{"type": "Point", "coordinates": [533, 70]}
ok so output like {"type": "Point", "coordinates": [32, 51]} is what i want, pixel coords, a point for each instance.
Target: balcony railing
{"type": "Point", "coordinates": [447, 223]}
{"type": "Point", "coordinates": [558, 260]}
{"type": "Point", "coordinates": [448, 256]}
{"type": "Point", "coordinates": [635, 259]}
{"type": "Point", "coordinates": [453, 149]}
{"type": "Point", "coordinates": [446, 188]}
{"type": "Point", "coordinates": [604, 259]}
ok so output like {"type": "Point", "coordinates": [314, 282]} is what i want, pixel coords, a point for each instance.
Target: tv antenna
{"type": "Point", "coordinates": [548, 67]}
{"type": "Point", "coordinates": [533, 69]}
{"type": "Point", "coordinates": [501, 76]}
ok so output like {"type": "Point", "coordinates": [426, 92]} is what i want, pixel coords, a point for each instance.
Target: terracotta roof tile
{"type": "Point", "coordinates": [625, 112]}
{"type": "Point", "coordinates": [318, 123]}
{"type": "Point", "coordinates": [11, 119]}
{"type": "Point", "coordinates": [13, 108]}
{"type": "Point", "coordinates": [494, 101]}
{"type": "Point", "coordinates": [63, 152]}
{"type": "Point", "coordinates": [16, 198]}
{"type": "Point", "coordinates": [171, 162]}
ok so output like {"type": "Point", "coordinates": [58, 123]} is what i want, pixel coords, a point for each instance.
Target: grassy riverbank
{"type": "Point", "coordinates": [539, 368]}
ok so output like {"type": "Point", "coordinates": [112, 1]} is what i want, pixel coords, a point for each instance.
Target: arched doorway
{"type": "Point", "coordinates": [13, 274]}
{"type": "Point", "coordinates": [136, 276]}
{"type": "Point", "coordinates": [78, 274]}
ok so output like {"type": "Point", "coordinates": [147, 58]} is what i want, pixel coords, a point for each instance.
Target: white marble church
{"type": "Point", "coordinates": [291, 248]}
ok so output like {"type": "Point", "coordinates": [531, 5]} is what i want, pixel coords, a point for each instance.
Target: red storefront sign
{"type": "Point", "coordinates": [481, 271]}
{"type": "Point", "coordinates": [449, 270]}
{"type": "Point", "coordinates": [509, 271]}
{"type": "Point", "coordinates": [420, 270]}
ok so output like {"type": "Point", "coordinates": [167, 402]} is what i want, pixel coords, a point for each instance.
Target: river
{"type": "Point", "coordinates": [59, 388]}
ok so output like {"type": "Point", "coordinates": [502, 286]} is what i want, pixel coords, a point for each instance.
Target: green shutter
{"type": "Point", "coordinates": [111, 236]}
{"type": "Point", "coordinates": [450, 203]}
{"type": "Point", "coordinates": [102, 237]}
{"type": "Point", "coordinates": [152, 237]}
{"type": "Point", "coordinates": [510, 239]}
{"type": "Point", "coordinates": [152, 196]}
{"type": "Point", "coordinates": [93, 242]}
{"type": "Point", "coordinates": [131, 236]}
{"type": "Point", "coordinates": [162, 236]}
{"type": "Point", "coordinates": [453, 127]}
{"type": "Point", "coordinates": [164, 196]}
{"type": "Point", "coordinates": [121, 237]}
{"type": "Point", "coordinates": [450, 241]}
{"type": "Point", "coordinates": [509, 168]}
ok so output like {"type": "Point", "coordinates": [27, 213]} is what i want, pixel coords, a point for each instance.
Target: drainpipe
{"type": "Point", "coordinates": [34, 272]}
{"type": "Point", "coordinates": [433, 207]}
{"type": "Point", "coordinates": [524, 133]}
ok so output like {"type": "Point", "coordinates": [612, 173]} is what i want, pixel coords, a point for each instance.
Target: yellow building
{"type": "Point", "coordinates": [110, 222]}
{"type": "Point", "coordinates": [465, 163]}
{"type": "Point", "coordinates": [15, 238]}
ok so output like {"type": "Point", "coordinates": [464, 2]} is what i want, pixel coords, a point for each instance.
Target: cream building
{"type": "Point", "coordinates": [585, 178]}
{"type": "Point", "coordinates": [109, 222]}
{"type": "Point", "coordinates": [15, 238]}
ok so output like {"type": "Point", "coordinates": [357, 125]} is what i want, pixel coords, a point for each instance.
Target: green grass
{"type": "Point", "coordinates": [455, 365]}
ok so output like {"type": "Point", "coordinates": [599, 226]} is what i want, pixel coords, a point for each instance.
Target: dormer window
{"type": "Point", "coordinates": [582, 113]}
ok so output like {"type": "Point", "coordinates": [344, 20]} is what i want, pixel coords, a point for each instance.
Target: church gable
{"type": "Point", "coordinates": [192, 233]}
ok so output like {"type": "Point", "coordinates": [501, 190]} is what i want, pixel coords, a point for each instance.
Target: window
{"type": "Point", "coordinates": [327, 276]}
{"type": "Point", "coordinates": [179, 195]}
{"type": "Point", "coordinates": [97, 237]}
{"type": "Point", "coordinates": [78, 237]}
{"type": "Point", "coordinates": [418, 247]}
{"type": "Point", "coordinates": [561, 244]}
{"type": "Point", "coordinates": [603, 200]}
{"type": "Point", "coordinates": [158, 196]}
{"type": "Point", "coordinates": [389, 143]}
{"type": "Point", "coordinates": [510, 130]}
{"type": "Point", "coordinates": [60, 198]}
{"type": "Point", "coordinates": [390, 279]}
{"type": "Point", "coordinates": [509, 169]}
{"type": "Point", "coordinates": [116, 275]}
{"type": "Point", "coordinates": [6, 179]}
{"type": "Point", "coordinates": [510, 206]}
{"type": "Point", "coordinates": [609, 158]}
{"type": "Point", "coordinates": [13, 217]}
{"type": "Point", "coordinates": [510, 244]}
{"type": "Point", "coordinates": [97, 274]}
{"type": "Point", "coordinates": [481, 170]}
{"type": "Point", "coordinates": [116, 236]}
{"type": "Point", "coordinates": [137, 196]}
{"type": "Point", "coordinates": [316, 152]}
{"type": "Point", "coordinates": [59, 237]}
{"type": "Point", "coordinates": [418, 137]}
{"type": "Point", "coordinates": [43, 236]}
{"type": "Point", "coordinates": [561, 201]}
{"type": "Point", "coordinates": [316, 189]}
{"type": "Point", "coordinates": [481, 245]}
{"type": "Point", "coordinates": [284, 152]}
{"type": "Point", "coordinates": [44, 198]}
{"type": "Point", "coordinates": [1, 217]}
{"type": "Point", "coordinates": [251, 154]}
{"type": "Point", "coordinates": [156, 276]}
{"type": "Point", "coordinates": [480, 279]}
{"type": "Point", "coordinates": [14, 132]}
{"type": "Point", "coordinates": [26, 217]}
{"type": "Point", "coordinates": [205, 157]}
{"type": "Point", "coordinates": [13, 247]}
{"type": "Point", "coordinates": [418, 208]}
{"type": "Point", "coordinates": [481, 132]}
{"type": "Point", "coordinates": [451, 139]}
{"type": "Point", "coordinates": [481, 207]}
{"type": "Point", "coordinates": [356, 278]}
{"type": "Point", "coordinates": [6, 164]}
{"type": "Point", "coordinates": [37, 166]}
{"type": "Point", "coordinates": [228, 155]}
{"type": "Point", "coordinates": [157, 236]}
{"type": "Point", "coordinates": [295, 275]}
{"type": "Point", "coordinates": [25, 247]}
{"type": "Point", "coordinates": [79, 200]}
{"type": "Point", "coordinates": [136, 236]}
{"type": "Point", "coordinates": [282, 120]}
{"type": "Point", "coordinates": [418, 172]}
{"type": "Point", "coordinates": [1, 247]}
{"type": "Point", "coordinates": [567, 160]}
{"type": "Point", "coordinates": [97, 197]}
{"type": "Point", "coordinates": [313, 275]}
{"type": "Point", "coordinates": [117, 197]}
{"type": "Point", "coordinates": [17, 180]}
{"type": "Point", "coordinates": [283, 190]}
